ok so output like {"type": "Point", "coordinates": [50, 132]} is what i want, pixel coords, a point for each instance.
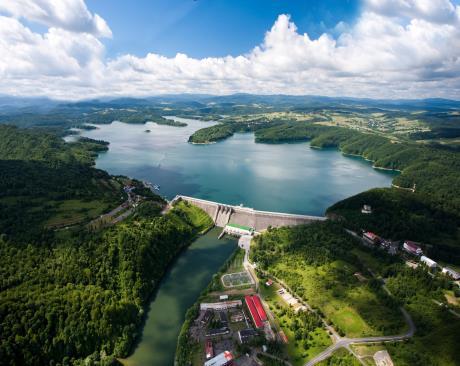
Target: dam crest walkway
{"type": "Point", "coordinates": [222, 214]}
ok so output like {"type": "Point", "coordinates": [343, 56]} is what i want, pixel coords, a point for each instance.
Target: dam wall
{"type": "Point", "coordinates": [259, 220]}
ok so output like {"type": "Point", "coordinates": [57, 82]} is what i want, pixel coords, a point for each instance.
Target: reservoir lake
{"type": "Point", "coordinates": [289, 178]}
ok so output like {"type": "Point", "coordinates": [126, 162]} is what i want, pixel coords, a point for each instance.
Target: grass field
{"type": "Point", "coordinates": [301, 350]}
{"type": "Point", "coordinates": [72, 212]}
{"type": "Point", "coordinates": [197, 216]}
{"type": "Point", "coordinates": [353, 308]}
{"type": "Point", "coordinates": [341, 357]}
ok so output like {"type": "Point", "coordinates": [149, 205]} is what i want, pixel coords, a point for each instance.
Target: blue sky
{"type": "Point", "coordinates": [210, 28]}
{"type": "Point", "coordinates": [77, 49]}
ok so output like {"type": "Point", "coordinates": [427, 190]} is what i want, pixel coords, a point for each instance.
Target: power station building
{"type": "Point", "coordinates": [238, 230]}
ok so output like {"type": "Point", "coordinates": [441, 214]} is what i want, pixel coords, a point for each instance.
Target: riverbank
{"type": "Point", "coordinates": [178, 290]}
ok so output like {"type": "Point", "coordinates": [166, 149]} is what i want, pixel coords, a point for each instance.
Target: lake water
{"type": "Point", "coordinates": [288, 177]}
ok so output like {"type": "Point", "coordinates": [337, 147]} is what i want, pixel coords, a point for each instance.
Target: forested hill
{"type": "Point", "coordinates": [38, 145]}
{"type": "Point", "coordinates": [70, 295]}
{"type": "Point", "coordinates": [81, 299]}
{"type": "Point", "coordinates": [46, 183]}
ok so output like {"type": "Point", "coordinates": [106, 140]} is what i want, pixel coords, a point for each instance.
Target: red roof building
{"type": "Point", "coordinates": [412, 247]}
{"type": "Point", "coordinates": [259, 308]}
{"type": "Point", "coordinates": [371, 237]}
{"type": "Point", "coordinates": [254, 314]}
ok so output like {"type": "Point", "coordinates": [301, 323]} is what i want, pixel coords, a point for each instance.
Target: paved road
{"type": "Point", "coordinates": [346, 342]}
{"type": "Point", "coordinates": [454, 313]}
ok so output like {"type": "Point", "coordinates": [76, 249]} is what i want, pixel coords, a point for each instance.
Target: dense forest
{"type": "Point", "coordinates": [403, 215]}
{"type": "Point", "coordinates": [76, 296]}
{"type": "Point", "coordinates": [211, 134]}
{"type": "Point", "coordinates": [82, 297]}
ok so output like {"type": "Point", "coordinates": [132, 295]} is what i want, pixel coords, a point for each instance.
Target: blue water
{"type": "Point", "coordinates": [287, 177]}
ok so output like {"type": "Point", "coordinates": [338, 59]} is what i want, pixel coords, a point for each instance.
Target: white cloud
{"type": "Point", "coordinates": [413, 51]}
{"type": "Point", "coordinates": [71, 15]}
{"type": "Point", "coordinates": [440, 11]}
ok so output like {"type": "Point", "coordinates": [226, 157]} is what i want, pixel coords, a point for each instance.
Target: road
{"type": "Point", "coordinates": [454, 313]}
{"type": "Point", "coordinates": [346, 342]}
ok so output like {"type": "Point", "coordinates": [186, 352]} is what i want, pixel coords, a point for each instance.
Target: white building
{"type": "Point", "coordinates": [224, 305]}
{"type": "Point", "coordinates": [412, 247]}
{"type": "Point", "coordinates": [451, 273]}
{"type": "Point", "coordinates": [367, 209]}
{"type": "Point", "coordinates": [429, 262]}
{"type": "Point", "coordinates": [222, 359]}
{"type": "Point", "coordinates": [238, 230]}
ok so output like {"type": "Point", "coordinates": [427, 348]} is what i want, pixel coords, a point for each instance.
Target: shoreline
{"type": "Point", "coordinates": [370, 160]}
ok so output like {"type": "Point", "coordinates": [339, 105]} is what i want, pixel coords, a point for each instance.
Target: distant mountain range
{"type": "Point", "coordinates": [43, 104]}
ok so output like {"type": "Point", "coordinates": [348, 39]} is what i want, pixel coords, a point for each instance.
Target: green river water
{"type": "Point", "coordinates": [179, 289]}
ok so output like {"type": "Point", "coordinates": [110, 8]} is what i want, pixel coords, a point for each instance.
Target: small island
{"type": "Point", "coordinates": [147, 131]}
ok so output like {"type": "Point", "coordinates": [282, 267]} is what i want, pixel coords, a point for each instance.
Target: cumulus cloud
{"type": "Point", "coordinates": [71, 15]}
{"type": "Point", "coordinates": [413, 51]}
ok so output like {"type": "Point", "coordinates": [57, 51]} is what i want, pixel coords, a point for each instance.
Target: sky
{"type": "Point", "coordinates": [77, 49]}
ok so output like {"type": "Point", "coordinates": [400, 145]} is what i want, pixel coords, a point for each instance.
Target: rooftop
{"type": "Point", "coordinates": [242, 227]}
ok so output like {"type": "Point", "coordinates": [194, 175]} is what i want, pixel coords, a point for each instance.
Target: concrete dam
{"type": "Point", "coordinates": [259, 220]}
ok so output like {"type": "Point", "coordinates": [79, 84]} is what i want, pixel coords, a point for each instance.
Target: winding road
{"type": "Point", "coordinates": [346, 342]}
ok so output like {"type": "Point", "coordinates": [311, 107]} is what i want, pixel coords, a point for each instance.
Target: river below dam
{"type": "Point", "coordinates": [289, 178]}
{"type": "Point", "coordinates": [178, 290]}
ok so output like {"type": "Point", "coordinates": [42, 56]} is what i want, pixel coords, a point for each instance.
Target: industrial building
{"type": "Point", "coordinates": [371, 238]}
{"type": "Point", "coordinates": [259, 307]}
{"type": "Point", "coordinates": [223, 318]}
{"type": "Point", "coordinates": [252, 310]}
{"type": "Point", "coordinates": [256, 309]}
{"type": "Point", "coordinates": [217, 332]}
{"type": "Point", "coordinates": [237, 317]}
{"type": "Point", "coordinates": [238, 230]}
{"type": "Point", "coordinates": [412, 247]}
{"type": "Point", "coordinates": [451, 273]}
{"type": "Point", "coordinates": [222, 359]}
{"type": "Point", "coordinates": [429, 262]}
{"type": "Point", "coordinates": [224, 305]}
{"type": "Point", "coordinates": [246, 335]}
{"type": "Point", "coordinates": [206, 317]}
